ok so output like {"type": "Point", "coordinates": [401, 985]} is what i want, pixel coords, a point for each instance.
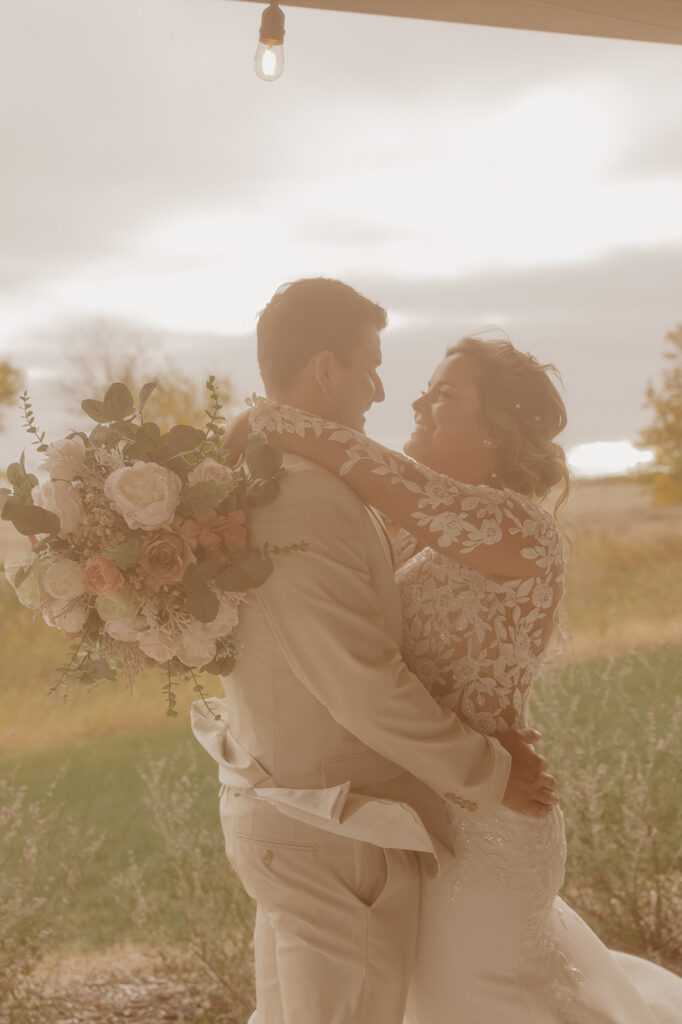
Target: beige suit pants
{"type": "Point", "coordinates": [336, 924]}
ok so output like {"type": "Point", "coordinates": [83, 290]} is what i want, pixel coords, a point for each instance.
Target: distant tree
{"type": "Point", "coordinates": [664, 435]}
{"type": "Point", "coordinates": [100, 351]}
{"type": "Point", "coordinates": [11, 383]}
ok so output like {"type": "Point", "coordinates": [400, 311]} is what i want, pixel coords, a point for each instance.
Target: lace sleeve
{"type": "Point", "coordinates": [498, 532]}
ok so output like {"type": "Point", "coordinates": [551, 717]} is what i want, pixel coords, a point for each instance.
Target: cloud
{"type": "Point", "coordinates": [601, 322]}
{"type": "Point", "coordinates": [119, 115]}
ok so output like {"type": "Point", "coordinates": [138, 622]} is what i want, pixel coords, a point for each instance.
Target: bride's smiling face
{"type": "Point", "coordinates": [448, 434]}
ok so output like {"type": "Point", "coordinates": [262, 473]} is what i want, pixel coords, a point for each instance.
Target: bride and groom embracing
{"type": "Point", "coordinates": [381, 799]}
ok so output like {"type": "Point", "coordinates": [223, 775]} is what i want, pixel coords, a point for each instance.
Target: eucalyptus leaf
{"type": "Point", "coordinates": [151, 430]}
{"type": "Point", "coordinates": [220, 666]}
{"type": "Point", "coordinates": [263, 458]}
{"type": "Point", "coordinates": [16, 474]}
{"type": "Point", "coordinates": [124, 428]}
{"type": "Point", "coordinates": [181, 438]}
{"type": "Point", "coordinates": [102, 436]}
{"type": "Point", "coordinates": [250, 573]}
{"type": "Point", "coordinates": [206, 494]}
{"type": "Point", "coordinates": [262, 492]}
{"type": "Point", "coordinates": [197, 576]}
{"type": "Point", "coordinates": [202, 604]}
{"type": "Point", "coordinates": [29, 520]}
{"type": "Point", "coordinates": [234, 580]}
{"type": "Point", "coordinates": [118, 402]}
{"type": "Point", "coordinates": [145, 393]}
{"type": "Point", "coordinates": [125, 553]}
{"type": "Point", "coordinates": [95, 410]}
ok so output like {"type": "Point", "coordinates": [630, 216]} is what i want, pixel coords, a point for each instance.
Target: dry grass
{"type": "Point", "coordinates": [624, 585]}
{"type": "Point", "coordinates": [624, 594]}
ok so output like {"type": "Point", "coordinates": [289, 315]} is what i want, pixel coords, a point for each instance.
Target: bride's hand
{"type": "Point", "coordinates": [236, 435]}
{"type": "Point", "coordinates": [530, 789]}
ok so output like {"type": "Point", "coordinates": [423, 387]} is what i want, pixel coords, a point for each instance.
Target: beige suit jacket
{"type": "Point", "coordinates": [321, 716]}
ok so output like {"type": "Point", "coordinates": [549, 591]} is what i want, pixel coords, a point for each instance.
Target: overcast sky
{"type": "Point", "coordinates": [461, 176]}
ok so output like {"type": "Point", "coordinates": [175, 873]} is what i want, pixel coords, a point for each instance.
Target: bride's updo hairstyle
{"type": "Point", "coordinates": [524, 412]}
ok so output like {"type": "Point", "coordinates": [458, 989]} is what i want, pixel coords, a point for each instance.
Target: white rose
{"type": "Point", "coordinates": [65, 459]}
{"type": "Point", "coordinates": [225, 621]}
{"type": "Point", "coordinates": [209, 469]}
{"type": "Point", "coordinates": [63, 579]}
{"type": "Point", "coordinates": [117, 606]}
{"type": "Point", "coordinates": [196, 648]}
{"type": "Point", "coordinates": [63, 499]}
{"type": "Point", "coordinates": [157, 645]}
{"type": "Point", "coordinates": [145, 494]}
{"type": "Point", "coordinates": [67, 615]}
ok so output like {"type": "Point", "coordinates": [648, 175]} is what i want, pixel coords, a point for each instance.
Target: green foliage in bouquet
{"type": "Point", "coordinates": [140, 547]}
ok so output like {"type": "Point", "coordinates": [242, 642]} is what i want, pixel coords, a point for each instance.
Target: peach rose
{"type": "Point", "coordinates": [102, 575]}
{"type": "Point", "coordinates": [165, 556]}
{"type": "Point", "coordinates": [229, 530]}
{"type": "Point", "coordinates": [207, 470]}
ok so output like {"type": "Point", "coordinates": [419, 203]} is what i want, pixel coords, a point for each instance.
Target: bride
{"type": "Point", "coordinates": [480, 571]}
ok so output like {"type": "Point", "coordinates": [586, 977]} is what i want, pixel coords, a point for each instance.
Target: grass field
{"type": "Point", "coordinates": [589, 714]}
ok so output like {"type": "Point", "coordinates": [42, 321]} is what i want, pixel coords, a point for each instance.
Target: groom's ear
{"type": "Point", "coordinates": [324, 367]}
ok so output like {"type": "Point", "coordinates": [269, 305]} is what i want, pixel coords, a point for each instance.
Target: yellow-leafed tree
{"type": "Point", "coordinates": [10, 384]}
{"type": "Point", "coordinates": [100, 351]}
{"type": "Point", "coordinates": [664, 436]}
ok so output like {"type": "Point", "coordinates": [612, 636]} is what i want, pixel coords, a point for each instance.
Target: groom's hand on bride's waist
{"type": "Point", "coordinates": [530, 788]}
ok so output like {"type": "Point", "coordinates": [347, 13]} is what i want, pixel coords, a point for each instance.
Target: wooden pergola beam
{"type": "Point", "coordinates": [654, 21]}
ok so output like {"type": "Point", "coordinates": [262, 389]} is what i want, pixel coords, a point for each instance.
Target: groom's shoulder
{"type": "Point", "coordinates": [301, 477]}
{"type": "Point", "coordinates": [308, 493]}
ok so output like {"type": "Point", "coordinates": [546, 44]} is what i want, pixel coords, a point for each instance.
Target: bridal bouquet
{"type": "Point", "coordinates": [139, 540]}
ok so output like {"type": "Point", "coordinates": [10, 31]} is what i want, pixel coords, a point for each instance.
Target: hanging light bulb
{"type": "Point", "coordinates": [269, 60]}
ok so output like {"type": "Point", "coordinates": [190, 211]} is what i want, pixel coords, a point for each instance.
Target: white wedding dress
{"type": "Point", "coordinates": [496, 942]}
{"type": "Point", "coordinates": [497, 945]}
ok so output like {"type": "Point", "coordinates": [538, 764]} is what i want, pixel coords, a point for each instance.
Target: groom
{"type": "Point", "coordinates": [338, 767]}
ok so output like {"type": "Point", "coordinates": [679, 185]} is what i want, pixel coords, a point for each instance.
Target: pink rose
{"type": "Point", "coordinates": [63, 499]}
{"type": "Point", "coordinates": [165, 556]}
{"type": "Point", "coordinates": [102, 575]}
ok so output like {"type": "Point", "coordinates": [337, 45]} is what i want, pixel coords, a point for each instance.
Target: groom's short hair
{"type": "Point", "coordinates": [305, 317]}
